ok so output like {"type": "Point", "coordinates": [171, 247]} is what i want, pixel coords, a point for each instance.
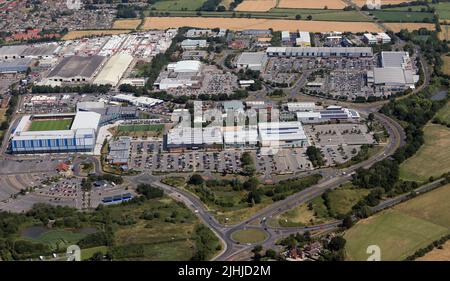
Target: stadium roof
{"type": "Point", "coordinates": [77, 66]}
{"type": "Point", "coordinates": [85, 120]}
{"type": "Point", "coordinates": [114, 69]}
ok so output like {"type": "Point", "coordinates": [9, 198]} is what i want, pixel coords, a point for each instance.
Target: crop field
{"type": "Point", "coordinates": [402, 16]}
{"type": "Point", "coordinates": [178, 5]}
{"type": "Point", "coordinates": [432, 159]}
{"type": "Point", "coordinates": [50, 125]}
{"type": "Point", "coordinates": [445, 35]}
{"type": "Point", "coordinates": [256, 5]}
{"type": "Point", "coordinates": [401, 231]}
{"type": "Point", "coordinates": [312, 4]}
{"type": "Point", "coordinates": [361, 3]}
{"type": "Point", "coordinates": [75, 34]}
{"type": "Point", "coordinates": [126, 24]}
{"type": "Point", "coordinates": [410, 8]}
{"type": "Point", "coordinates": [318, 14]}
{"type": "Point", "coordinates": [397, 26]}
{"type": "Point", "coordinates": [446, 67]}
{"type": "Point", "coordinates": [245, 23]}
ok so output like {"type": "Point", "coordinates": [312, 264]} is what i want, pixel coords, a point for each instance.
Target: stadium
{"type": "Point", "coordinates": [50, 133]}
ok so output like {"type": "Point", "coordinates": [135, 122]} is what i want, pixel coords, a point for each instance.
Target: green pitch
{"type": "Point", "coordinates": [141, 128]}
{"type": "Point", "coordinates": [50, 125]}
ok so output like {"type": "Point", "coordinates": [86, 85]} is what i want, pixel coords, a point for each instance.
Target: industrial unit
{"type": "Point", "coordinates": [319, 52]}
{"type": "Point", "coordinates": [114, 69]}
{"type": "Point", "coordinates": [254, 61]}
{"type": "Point", "coordinates": [76, 69]}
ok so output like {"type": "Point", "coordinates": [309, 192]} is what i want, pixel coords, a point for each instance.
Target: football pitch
{"type": "Point", "coordinates": [50, 125]}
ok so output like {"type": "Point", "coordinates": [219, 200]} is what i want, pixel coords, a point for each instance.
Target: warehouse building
{"type": "Point", "coordinates": [254, 61]}
{"type": "Point", "coordinates": [76, 69]}
{"type": "Point", "coordinates": [12, 52]}
{"type": "Point", "coordinates": [15, 66]}
{"type": "Point", "coordinates": [119, 151]}
{"type": "Point", "coordinates": [303, 39]}
{"type": "Point", "coordinates": [319, 52]}
{"type": "Point", "coordinates": [182, 74]}
{"type": "Point", "coordinates": [181, 138]}
{"type": "Point", "coordinates": [114, 69]}
{"type": "Point", "coordinates": [189, 44]}
{"type": "Point", "coordinates": [240, 137]}
{"type": "Point", "coordinates": [80, 137]}
{"type": "Point", "coordinates": [300, 106]}
{"type": "Point", "coordinates": [137, 101]}
{"type": "Point", "coordinates": [395, 59]}
{"type": "Point", "coordinates": [282, 134]}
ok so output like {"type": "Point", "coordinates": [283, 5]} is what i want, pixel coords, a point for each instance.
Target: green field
{"type": "Point", "coordinates": [393, 16]}
{"type": "Point", "coordinates": [432, 159]}
{"type": "Point", "coordinates": [249, 236]}
{"type": "Point", "coordinates": [89, 252]}
{"type": "Point", "coordinates": [178, 5]}
{"type": "Point", "coordinates": [141, 128]}
{"type": "Point", "coordinates": [58, 238]}
{"type": "Point", "coordinates": [443, 10]}
{"type": "Point", "coordinates": [412, 8]}
{"type": "Point", "coordinates": [401, 231]}
{"type": "Point", "coordinates": [276, 13]}
{"type": "Point", "coordinates": [444, 113]}
{"type": "Point", "coordinates": [343, 199]}
{"type": "Point", "coordinates": [50, 125]}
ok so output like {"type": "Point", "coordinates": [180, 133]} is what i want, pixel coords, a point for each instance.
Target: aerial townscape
{"type": "Point", "coordinates": [225, 130]}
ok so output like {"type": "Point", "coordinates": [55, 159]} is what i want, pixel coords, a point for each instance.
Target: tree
{"type": "Point", "coordinates": [337, 243]}
{"type": "Point", "coordinates": [298, 17]}
{"type": "Point", "coordinates": [347, 222]}
{"type": "Point", "coordinates": [196, 179]}
{"type": "Point", "coordinates": [149, 191]}
{"type": "Point", "coordinates": [270, 253]}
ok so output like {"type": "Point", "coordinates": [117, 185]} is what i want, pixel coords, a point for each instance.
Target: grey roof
{"type": "Point", "coordinates": [393, 59]}
{"type": "Point", "coordinates": [251, 58]}
{"type": "Point", "coordinates": [16, 65]}
{"type": "Point", "coordinates": [12, 50]}
{"type": "Point", "coordinates": [38, 51]}
{"type": "Point", "coordinates": [393, 76]}
{"type": "Point", "coordinates": [74, 66]}
{"type": "Point", "coordinates": [233, 104]}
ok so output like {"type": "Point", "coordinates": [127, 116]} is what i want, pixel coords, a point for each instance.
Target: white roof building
{"type": "Point", "coordinates": [114, 69]}
{"type": "Point", "coordinates": [137, 101]}
{"type": "Point", "coordinates": [303, 39]}
{"type": "Point", "coordinates": [301, 106]}
{"type": "Point", "coordinates": [252, 60]}
{"type": "Point", "coordinates": [285, 134]}
{"type": "Point", "coordinates": [185, 66]}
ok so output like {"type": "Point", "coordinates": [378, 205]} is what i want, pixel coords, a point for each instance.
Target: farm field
{"type": "Point", "coordinates": [401, 231]}
{"type": "Point", "coordinates": [361, 3]}
{"type": "Point", "coordinates": [444, 34]}
{"type": "Point", "coordinates": [402, 16]}
{"type": "Point", "coordinates": [312, 4]}
{"type": "Point", "coordinates": [438, 254]}
{"type": "Point", "coordinates": [443, 10]}
{"type": "Point", "coordinates": [256, 5]}
{"type": "Point", "coordinates": [126, 24]}
{"type": "Point", "coordinates": [50, 125]}
{"type": "Point", "coordinates": [75, 34]}
{"type": "Point", "coordinates": [412, 8]}
{"type": "Point", "coordinates": [426, 162]}
{"type": "Point", "coordinates": [397, 26]}
{"type": "Point", "coordinates": [244, 23]}
{"type": "Point", "coordinates": [178, 5]}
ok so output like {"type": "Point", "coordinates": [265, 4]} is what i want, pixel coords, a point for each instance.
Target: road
{"type": "Point", "coordinates": [233, 249]}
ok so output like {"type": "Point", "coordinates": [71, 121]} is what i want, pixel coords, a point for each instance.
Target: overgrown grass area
{"type": "Point", "coordinates": [432, 159]}
{"type": "Point", "coordinates": [444, 114]}
{"type": "Point", "coordinates": [401, 231]}
{"type": "Point", "coordinates": [58, 239]}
